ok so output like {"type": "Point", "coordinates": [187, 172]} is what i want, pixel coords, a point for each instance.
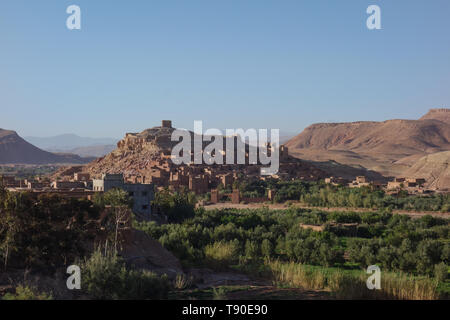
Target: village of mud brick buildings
{"type": "Point", "coordinates": [200, 179]}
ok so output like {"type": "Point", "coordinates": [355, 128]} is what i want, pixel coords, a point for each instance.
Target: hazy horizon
{"type": "Point", "coordinates": [158, 123]}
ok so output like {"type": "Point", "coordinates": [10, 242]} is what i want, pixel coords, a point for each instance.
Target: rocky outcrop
{"type": "Point", "coordinates": [134, 153]}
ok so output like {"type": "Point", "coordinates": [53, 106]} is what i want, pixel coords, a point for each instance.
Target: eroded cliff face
{"type": "Point", "coordinates": [434, 168]}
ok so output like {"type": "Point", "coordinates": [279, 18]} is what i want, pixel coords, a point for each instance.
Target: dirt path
{"type": "Point", "coordinates": [285, 207]}
{"type": "Point", "coordinates": [274, 293]}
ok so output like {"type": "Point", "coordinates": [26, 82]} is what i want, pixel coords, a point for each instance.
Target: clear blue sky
{"type": "Point", "coordinates": [232, 63]}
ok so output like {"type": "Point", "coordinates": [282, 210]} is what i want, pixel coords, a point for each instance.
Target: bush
{"type": "Point", "coordinates": [176, 206]}
{"type": "Point", "coordinates": [441, 272]}
{"type": "Point", "coordinates": [222, 254]}
{"type": "Point", "coordinates": [45, 232]}
{"type": "Point", "coordinates": [27, 293]}
{"type": "Point", "coordinates": [182, 282]}
{"type": "Point", "coordinates": [138, 285]}
{"type": "Point", "coordinates": [105, 277]}
{"type": "Point", "coordinates": [219, 293]}
{"type": "Point", "coordinates": [267, 248]}
{"type": "Point", "coordinates": [252, 250]}
{"type": "Point", "coordinates": [395, 242]}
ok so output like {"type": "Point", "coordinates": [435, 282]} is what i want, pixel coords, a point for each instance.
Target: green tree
{"type": "Point", "coordinates": [47, 231]}
{"type": "Point", "coordinates": [177, 206]}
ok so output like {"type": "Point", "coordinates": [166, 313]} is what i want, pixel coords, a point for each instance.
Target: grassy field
{"type": "Point", "coordinates": [293, 281]}
{"type": "Point", "coordinates": [351, 283]}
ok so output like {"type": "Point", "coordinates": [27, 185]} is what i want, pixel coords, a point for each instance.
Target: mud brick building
{"type": "Point", "coordinates": [199, 184]}
{"type": "Point", "coordinates": [68, 185]}
{"type": "Point", "coordinates": [81, 176]}
{"type": "Point", "coordinates": [142, 194]}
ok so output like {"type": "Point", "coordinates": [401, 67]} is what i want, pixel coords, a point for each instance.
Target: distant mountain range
{"type": "Point", "coordinates": [91, 151]}
{"type": "Point", "coordinates": [390, 147]}
{"type": "Point", "coordinates": [71, 143]}
{"type": "Point", "coordinates": [286, 136]}
{"type": "Point", "coordinates": [15, 150]}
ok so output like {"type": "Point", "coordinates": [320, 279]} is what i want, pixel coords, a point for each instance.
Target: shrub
{"type": "Point", "coordinates": [219, 293]}
{"type": "Point", "coordinates": [267, 248]}
{"type": "Point", "coordinates": [441, 272]}
{"type": "Point", "coordinates": [182, 281]}
{"type": "Point", "coordinates": [27, 293]}
{"type": "Point", "coordinates": [251, 250]}
{"type": "Point", "coordinates": [45, 232]}
{"type": "Point", "coordinates": [222, 254]}
{"type": "Point", "coordinates": [176, 206]}
{"type": "Point", "coordinates": [105, 277]}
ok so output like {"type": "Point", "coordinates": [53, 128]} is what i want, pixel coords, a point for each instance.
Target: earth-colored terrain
{"type": "Point", "coordinates": [131, 158]}
{"type": "Point", "coordinates": [434, 168]}
{"type": "Point", "coordinates": [136, 154]}
{"type": "Point", "coordinates": [390, 147]}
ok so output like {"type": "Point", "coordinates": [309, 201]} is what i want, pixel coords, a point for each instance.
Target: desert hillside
{"type": "Point", "coordinates": [434, 168]}
{"type": "Point", "coordinates": [438, 114]}
{"type": "Point", "coordinates": [15, 150]}
{"type": "Point", "coordinates": [389, 147]}
{"type": "Point", "coordinates": [134, 153]}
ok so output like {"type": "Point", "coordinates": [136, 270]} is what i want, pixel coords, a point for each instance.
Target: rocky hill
{"type": "Point", "coordinates": [15, 150]}
{"type": "Point", "coordinates": [435, 168]}
{"type": "Point", "coordinates": [136, 154]}
{"type": "Point", "coordinates": [389, 147]}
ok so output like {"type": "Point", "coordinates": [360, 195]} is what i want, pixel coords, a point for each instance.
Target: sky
{"type": "Point", "coordinates": [281, 64]}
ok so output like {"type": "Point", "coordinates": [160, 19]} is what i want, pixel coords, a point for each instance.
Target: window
{"type": "Point", "coordinates": [131, 193]}
{"type": "Point", "coordinates": [144, 207]}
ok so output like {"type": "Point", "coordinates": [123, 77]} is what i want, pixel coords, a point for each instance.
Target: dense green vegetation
{"type": "Point", "coordinates": [45, 234]}
{"type": "Point", "coordinates": [105, 277]}
{"type": "Point", "coordinates": [49, 231]}
{"type": "Point", "coordinates": [27, 293]}
{"type": "Point", "coordinates": [292, 247]}
{"type": "Point", "coordinates": [351, 284]}
{"type": "Point", "coordinates": [175, 206]}
{"type": "Point", "coordinates": [318, 194]}
{"type": "Point", "coordinates": [245, 239]}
